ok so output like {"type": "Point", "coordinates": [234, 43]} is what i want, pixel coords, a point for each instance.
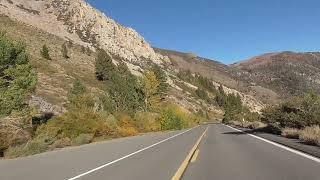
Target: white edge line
{"type": "Point", "coordinates": [124, 157]}
{"type": "Point", "coordinates": [280, 145]}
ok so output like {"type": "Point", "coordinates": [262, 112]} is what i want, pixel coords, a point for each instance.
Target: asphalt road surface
{"type": "Point", "coordinates": [222, 154]}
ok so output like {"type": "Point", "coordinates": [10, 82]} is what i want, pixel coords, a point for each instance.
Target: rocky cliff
{"type": "Point", "coordinates": [77, 21]}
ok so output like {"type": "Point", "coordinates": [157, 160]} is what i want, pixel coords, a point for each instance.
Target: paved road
{"type": "Point", "coordinates": [224, 154]}
{"type": "Point", "coordinates": [227, 154]}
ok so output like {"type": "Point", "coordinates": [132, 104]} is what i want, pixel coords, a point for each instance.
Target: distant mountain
{"type": "Point", "coordinates": [269, 78]}
{"type": "Point", "coordinates": [233, 79]}
{"type": "Point", "coordinates": [287, 73]}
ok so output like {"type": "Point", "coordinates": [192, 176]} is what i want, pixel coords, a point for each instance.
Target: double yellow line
{"type": "Point", "coordinates": [186, 162]}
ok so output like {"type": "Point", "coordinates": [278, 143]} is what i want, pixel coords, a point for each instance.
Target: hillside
{"type": "Point", "coordinates": [287, 73]}
{"type": "Point", "coordinates": [77, 21]}
{"type": "Point", "coordinates": [232, 79]}
{"type": "Point", "coordinates": [83, 30]}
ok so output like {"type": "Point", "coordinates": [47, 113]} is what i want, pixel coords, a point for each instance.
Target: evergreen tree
{"type": "Point", "coordinates": [17, 77]}
{"type": "Point", "coordinates": [221, 97]}
{"type": "Point", "coordinates": [45, 52]}
{"type": "Point", "coordinates": [202, 94]}
{"type": "Point", "coordinates": [162, 79]}
{"type": "Point", "coordinates": [104, 66]}
{"type": "Point", "coordinates": [124, 89]}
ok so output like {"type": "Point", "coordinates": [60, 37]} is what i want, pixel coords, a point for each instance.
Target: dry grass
{"type": "Point", "coordinates": [128, 131]}
{"type": "Point", "coordinates": [147, 121]}
{"type": "Point", "coordinates": [311, 135]}
{"type": "Point", "coordinates": [257, 125]}
{"type": "Point", "coordinates": [290, 133]}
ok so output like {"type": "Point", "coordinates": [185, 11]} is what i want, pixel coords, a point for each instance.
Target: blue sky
{"type": "Point", "coordinates": [224, 30]}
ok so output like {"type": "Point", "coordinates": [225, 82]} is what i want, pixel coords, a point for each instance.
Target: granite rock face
{"type": "Point", "coordinates": [78, 22]}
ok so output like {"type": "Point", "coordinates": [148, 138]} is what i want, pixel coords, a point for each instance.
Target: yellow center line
{"type": "Point", "coordinates": [185, 163]}
{"type": "Point", "coordinates": [194, 157]}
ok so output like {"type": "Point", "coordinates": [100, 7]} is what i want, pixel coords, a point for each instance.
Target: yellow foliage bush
{"type": "Point", "coordinates": [126, 125]}
{"type": "Point", "coordinates": [147, 121]}
{"type": "Point", "coordinates": [174, 117]}
{"type": "Point", "coordinates": [74, 123]}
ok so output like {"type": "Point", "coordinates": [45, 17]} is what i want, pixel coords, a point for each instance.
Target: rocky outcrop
{"type": "Point", "coordinates": [45, 107]}
{"type": "Point", "coordinates": [77, 21]}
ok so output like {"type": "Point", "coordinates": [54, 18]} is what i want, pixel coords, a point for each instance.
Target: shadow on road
{"type": "Point", "coordinates": [235, 133]}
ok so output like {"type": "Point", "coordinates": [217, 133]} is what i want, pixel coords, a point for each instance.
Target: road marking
{"type": "Point", "coordinates": [185, 163]}
{"type": "Point", "coordinates": [280, 145]}
{"type": "Point", "coordinates": [195, 156]}
{"type": "Point", "coordinates": [124, 157]}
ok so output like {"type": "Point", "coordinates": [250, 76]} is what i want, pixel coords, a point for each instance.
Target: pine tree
{"type": "Point", "coordinates": [162, 79]}
{"type": "Point", "coordinates": [104, 66]}
{"type": "Point", "coordinates": [125, 90]}
{"type": "Point", "coordinates": [17, 77]}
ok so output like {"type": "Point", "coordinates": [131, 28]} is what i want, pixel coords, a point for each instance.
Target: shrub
{"type": "Point", "coordinates": [273, 128]}
{"type": "Point", "coordinates": [290, 133]}
{"type": "Point", "coordinates": [35, 146]}
{"type": "Point", "coordinates": [246, 124]}
{"type": "Point", "coordinates": [311, 135]}
{"type": "Point", "coordinates": [173, 118]}
{"type": "Point", "coordinates": [83, 139]}
{"type": "Point", "coordinates": [61, 143]}
{"type": "Point", "coordinates": [76, 91]}
{"type": "Point", "coordinates": [45, 52]}
{"type": "Point", "coordinates": [75, 122]}
{"type": "Point", "coordinates": [252, 116]}
{"type": "Point", "coordinates": [298, 112]}
{"type": "Point", "coordinates": [126, 125]}
{"type": "Point", "coordinates": [146, 121]}
{"type": "Point", "coordinates": [128, 131]}
{"type": "Point", "coordinates": [257, 125]}
{"type": "Point", "coordinates": [112, 122]}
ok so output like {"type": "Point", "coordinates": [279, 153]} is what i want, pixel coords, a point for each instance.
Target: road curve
{"type": "Point", "coordinates": [223, 154]}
